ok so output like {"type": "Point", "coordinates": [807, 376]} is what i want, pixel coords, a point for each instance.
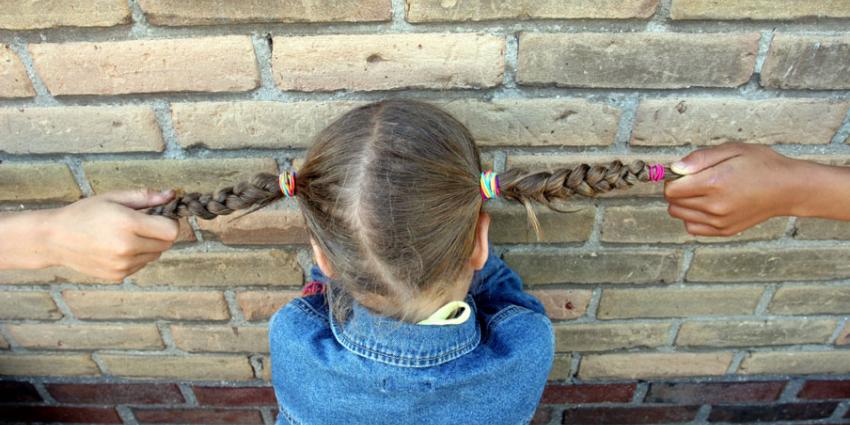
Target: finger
{"type": "Point", "coordinates": [142, 260]}
{"type": "Point", "coordinates": [693, 216]}
{"type": "Point", "coordinates": [700, 160]}
{"type": "Point", "coordinates": [142, 245]}
{"type": "Point", "coordinates": [699, 229]}
{"type": "Point", "coordinates": [700, 203]}
{"type": "Point", "coordinates": [149, 226]}
{"type": "Point", "coordinates": [138, 199]}
{"type": "Point", "coordinates": [685, 187]}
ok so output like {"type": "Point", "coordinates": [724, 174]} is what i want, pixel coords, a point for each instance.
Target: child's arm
{"type": "Point", "coordinates": [103, 236]}
{"type": "Point", "coordinates": [732, 187]}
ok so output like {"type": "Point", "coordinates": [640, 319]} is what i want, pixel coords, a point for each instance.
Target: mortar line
{"type": "Point", "coordinates": [792, 388]}
{"type": "Point", "coordinates": [162, 112]}
{"type": "Point", "coordinates": [833, 339]}
{"type": "Point", "coordinates": [42, 94]}
{"type": "Point", "coordinates": [188, 394]}
{"type": "Point", "coordinates": [842, 135]}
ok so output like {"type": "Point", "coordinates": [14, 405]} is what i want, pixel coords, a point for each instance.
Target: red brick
{"type": "Point", "coordinates": [629, 415]}
{"type": "Point", "coordinates": [575, 394]}
{"type": "Point", "coordinates": [240, 396]}
{"type": "Point", "coordinates": [18, 392]}
{"type": "Point", "coordinates": [116, 393]}
{"type": "Point", "coordinates": [714, 392]}
{"type": "Point", "coordinates": [198, 416]}
{"type": "Point", "coordinates": [75, 415]}
{"type": "Point", "coordinates": [543, 415]}
{"type": "Point", "coordinates": [818, 390]}
{"type": "Point", "coordinates": [772, 412]}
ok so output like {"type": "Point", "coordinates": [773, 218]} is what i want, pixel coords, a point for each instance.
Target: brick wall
{"type": "Point", "coordinates": [652, 325]}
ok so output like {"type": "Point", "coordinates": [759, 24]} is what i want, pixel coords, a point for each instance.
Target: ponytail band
{"type": "Point", "coordinates": [287, 183]}
{"type": "Point", "coordinates": [656, 172]}
{"type": "Point", "coordinates": [489, 185]}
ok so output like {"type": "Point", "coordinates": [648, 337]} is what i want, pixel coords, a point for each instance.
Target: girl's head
{"type": "Point", "coordinates": [390, 193]}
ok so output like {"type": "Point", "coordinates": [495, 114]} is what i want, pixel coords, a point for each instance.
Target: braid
{"type": "Point", "coordinates": [585, 180]}
{"type": "Point", "coordinates": [259, 191]}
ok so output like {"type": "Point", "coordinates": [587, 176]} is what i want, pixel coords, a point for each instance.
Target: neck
{"type": "Point", "coordinates": [424, 306]}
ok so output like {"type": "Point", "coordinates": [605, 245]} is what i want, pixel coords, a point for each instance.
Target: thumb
{"type": "Point", "coordinates": [140, 198]}
{"type": "Point", "coordinates": [705, 158]}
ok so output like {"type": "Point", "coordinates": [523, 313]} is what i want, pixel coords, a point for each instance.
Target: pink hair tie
{"type": "Point", "coordinates": [656, 172]}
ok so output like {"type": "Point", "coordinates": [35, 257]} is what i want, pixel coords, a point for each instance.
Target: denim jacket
{"type": "Point", "coordinates": [371, 369]}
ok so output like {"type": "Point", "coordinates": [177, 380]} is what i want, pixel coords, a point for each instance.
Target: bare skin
{"type": "Point", "coordinates": [102, 236]}
{"type": "Point", "coordinates": [424, 307]}
{"type": "Point", "coordinates": [732, 187]}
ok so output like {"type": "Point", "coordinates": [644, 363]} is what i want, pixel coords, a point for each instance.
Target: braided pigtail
{"type": "Point", "coordinates": [259, 191]}
{"type": "Point", "coordinates": [584, 180]}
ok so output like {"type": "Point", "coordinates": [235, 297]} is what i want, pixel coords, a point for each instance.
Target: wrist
{"type": "Point", "coordinates": [44, 230]}
{"type": "Point", "coordinates": [809, 180]}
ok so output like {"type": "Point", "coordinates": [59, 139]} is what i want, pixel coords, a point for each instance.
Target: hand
{"type": "Point", "coordinates": [104, 236]}
{"type": "Point", "coordinates": [732, 187]}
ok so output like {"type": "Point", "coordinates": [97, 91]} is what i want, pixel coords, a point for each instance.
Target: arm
{"type": "Point", "coordinates": [103, 236]}
{"type": "Point", "coordinates": [730, 188]}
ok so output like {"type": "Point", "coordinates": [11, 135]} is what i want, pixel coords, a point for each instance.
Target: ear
{"type": "Point", "coordinates": [321, 259]}
{"type": "Point", "coordinates": [482, 242]}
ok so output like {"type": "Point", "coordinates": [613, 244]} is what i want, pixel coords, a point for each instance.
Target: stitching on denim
{"type": "Point", "coordinates": [288, 416]}
{"type": "Point", "coordinates": [304, 306]}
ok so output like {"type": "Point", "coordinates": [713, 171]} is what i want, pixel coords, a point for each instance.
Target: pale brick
{"type": "Point", "coordinates": [760, 265]}
{"type": "Point", "coordinates": [28, 305]}
{"type": "Point", "coordinates": [230, 339]}
{"type": "Point", "coordinates": [561, 367]}
{"type": "Point", "coordinates": [260, 124]}
{"type": "Point", "coordinates": [14, 81]}
{"type": "Point", "coordinates": [267, 369]}
{"type": "Point", "coordinates": [261, 305]}
{"type": "Point", "coordinates": [116, 336]}
{"type": "Point", "coordinates": [484, 10]}
{"type": "Point", "coordinates": [537, 122]}
{"type": "Point", "coordinates": [637, 60]}
{"type": "Point", "coordinates": [844, 336]}
{"type": "Point", "coordinates": [37, 182]}
{"type": "Point", "coordinates": [126, 305]}
{"type": "Point", "coordinates": [796, 363]}
{"type": "Point", "coordinates": [712, 121]}
{"type": "Point", "coordinates": [388, 61]}
{"type": "Point", "coordinates": [759, 9]}
{"type": "Point", "coordinates": [811, 299]}
{"type": "Point", "coordinates": [227, 269]}
{"type": "Point", "coordinates": [79, 129]}
{"type": "Point", "coordinates": [206, 367]}
{"type": "Point", "coordinates": [511, 224]}
{"type": "Point", "coordinates": [650, 223]}
{"type": "Point", "coordinates": [213, 64]}
{"type": "Point", "coordinates": [821, 229]}
{"type": "Point", "coordinates": [807, 62]}
{"type": "Point", "coordinates": [38, 14]}
{"type": "Point", "coordinates": [278, 224]}
{"type": "Point", "coordinates": [550, 163]}
{"type": "Point", "coordinates": [37, 364]}
{"type": "Point", "coordinates": [563, 304]}
{"type": "Point", "coordinates": [188, 175]}
{"type": "Point", "coordinates": [752, 333]}
{"type": "Point", "coordinates": [609, 336]}
{"type": "Point", "coordinates": [3, 344]}
{"type": "Point", "coordinates": [653, 365]}
{"type": "Point", "coordinates": [678, 302]}
{"type": "Point", "coordinates": [211, 12]}
{"type": "Point", "coordinates": [608, 266]}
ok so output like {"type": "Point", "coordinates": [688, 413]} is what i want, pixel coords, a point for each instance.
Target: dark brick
{"type": "Point", "coordinates": [245, 396]}
{"type": "Point", "coordinates": [629, 415]}
{"type": "Point", "coordinates": [116, 393]}
{"type": "Point", "coordinates": [814, 390]}
{"type": "Point", "coordinates": [74, 415]}
{"type": "Point", "coordinates": [198, 416]}
{"type": "Point", "coordinates": [543, 415]}
{"type": "Point", "coordinates": [18, 392]}
{"type": "Point", "coordinates": [772, 412]}
{"type": "Point", "coordinates": [574, 394]}
{"type": "Point", "coordinates": [714, 392]}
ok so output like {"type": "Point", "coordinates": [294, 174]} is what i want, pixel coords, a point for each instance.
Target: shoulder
{"type": "Point", "coordinates": [299, 316]}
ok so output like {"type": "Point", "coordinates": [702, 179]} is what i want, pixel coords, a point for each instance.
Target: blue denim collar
{"type": "Point", "coordinates": [405, 344]}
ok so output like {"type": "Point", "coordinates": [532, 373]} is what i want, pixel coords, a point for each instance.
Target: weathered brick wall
{"type": "Point", "coordinates": [652, 325]}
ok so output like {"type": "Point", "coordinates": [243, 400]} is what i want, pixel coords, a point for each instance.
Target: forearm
{"type": "Point", "coordinates": [23, 240]}
{"type": "Point", "coordinates": [825, 192]}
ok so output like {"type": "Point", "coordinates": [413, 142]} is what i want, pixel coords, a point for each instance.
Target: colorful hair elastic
{"type": "Point", "coordinates": [656, 172]}
{"type": "Point", "coordinates": [287, 183]}
{"type": "Point", "coordinates": [489, 185]}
